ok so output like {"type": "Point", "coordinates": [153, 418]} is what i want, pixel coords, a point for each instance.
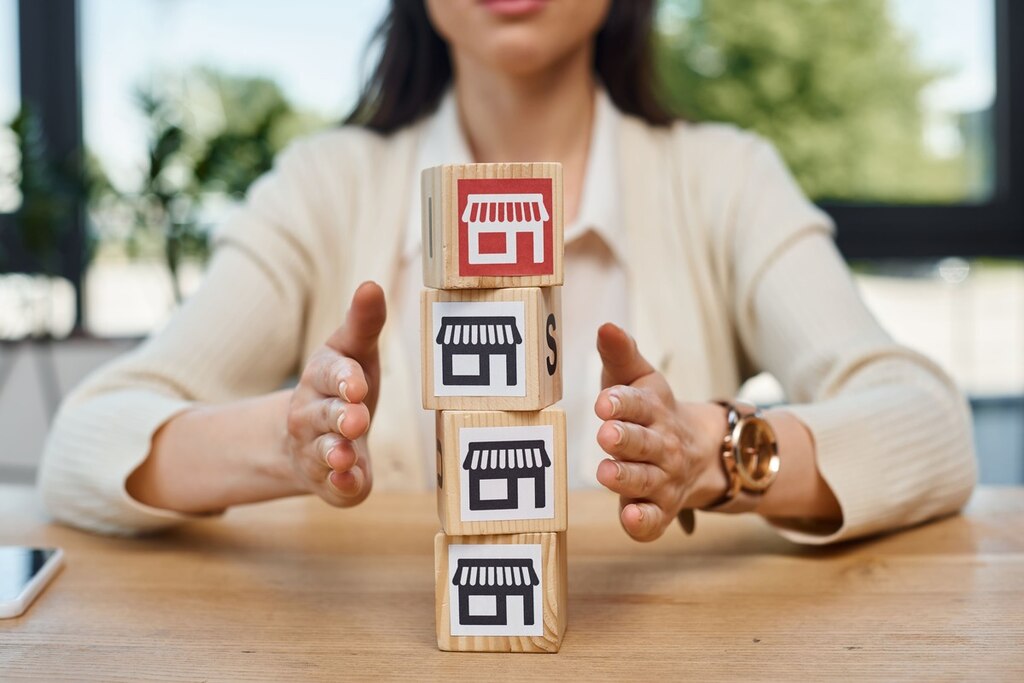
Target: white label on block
{"type": "Point", "coordinates": [496, 590]}
{"type": "Point", "coordinates": [520, 458]}
{"type": "Point", "coordinates": [479, 348]}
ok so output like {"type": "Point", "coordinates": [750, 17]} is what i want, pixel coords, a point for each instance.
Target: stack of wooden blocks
{"type": "Point", "coordinates": [491, 338]}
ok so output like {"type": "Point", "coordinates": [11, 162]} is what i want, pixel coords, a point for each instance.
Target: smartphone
{"type": "Point", "coordinates": [24, 572]}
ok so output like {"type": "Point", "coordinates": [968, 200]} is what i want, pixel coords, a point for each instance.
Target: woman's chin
{"type": "Point", "coordinates": [521, 58]}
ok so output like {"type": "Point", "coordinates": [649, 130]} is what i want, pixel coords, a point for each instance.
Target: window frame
{"type": "Point", "coordinates": [49, 68]}
{"type": "Point", "coordinates": [989, 229]}
{"type": "Point", "coordinates": [49, 79]}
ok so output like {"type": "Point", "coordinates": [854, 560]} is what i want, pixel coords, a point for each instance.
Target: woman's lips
{"type": "Point", "coordinates": [514, 8]}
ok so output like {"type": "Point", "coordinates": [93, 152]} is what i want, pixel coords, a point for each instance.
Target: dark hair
{"type": "Point", "coordinates": [414, 69]}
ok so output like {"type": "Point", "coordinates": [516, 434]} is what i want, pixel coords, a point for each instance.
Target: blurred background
{"type": "Point", "coordinates": [129, 128]}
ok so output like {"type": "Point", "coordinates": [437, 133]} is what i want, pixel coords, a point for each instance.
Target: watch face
{"type": "Point", "coordinates": [757, 458]}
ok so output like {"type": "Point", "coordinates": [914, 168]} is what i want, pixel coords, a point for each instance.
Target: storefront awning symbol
{"type": "Point", "coordinates": [506, 455]}
{"type": "Point", "coordinates": [479, 331]}
{"type": "Point", "coordinates": [495, 572]}
{"type": "Point", "coordinates": [508, 214]}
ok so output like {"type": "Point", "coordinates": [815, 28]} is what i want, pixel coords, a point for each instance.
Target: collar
{"type": "Point", "coordinates": [442, 142]}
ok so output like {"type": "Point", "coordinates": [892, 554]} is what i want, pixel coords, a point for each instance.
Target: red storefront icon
{"type": "Point", "coordinates": [505, 226]}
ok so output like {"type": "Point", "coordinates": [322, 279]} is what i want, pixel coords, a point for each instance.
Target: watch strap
{"type": "Point", "coordinates": [687, 520]}
{"type": "Point", "coordinates": [743, 501]}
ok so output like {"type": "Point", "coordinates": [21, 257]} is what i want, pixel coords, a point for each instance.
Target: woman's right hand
{"type": "Point", "coordinates": [331, 408]}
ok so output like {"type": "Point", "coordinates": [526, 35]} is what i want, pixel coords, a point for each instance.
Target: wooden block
{"type": "Point", "coordinates": [487, 226]}
{"type": "Point", "coordinates": [501, 472]}
{"type": "Point", "coordinates": [491, 349]}
{"type": "Point", "coordinates": [501, 593]}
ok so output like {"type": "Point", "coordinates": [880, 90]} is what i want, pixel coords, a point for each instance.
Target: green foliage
{"type": "Point", "coordinates": [833, 83]}
{"type": "Point", "coordinates": [256, 122]}
{"type": "Point", "coordinates": [209, 134]}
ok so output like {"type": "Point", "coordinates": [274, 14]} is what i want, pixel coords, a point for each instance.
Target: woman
{"type": "Point", "coordinates": [692, 236]}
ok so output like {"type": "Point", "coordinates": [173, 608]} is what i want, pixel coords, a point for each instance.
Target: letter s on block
{"type": "Point", "coordinates": [552, 361]}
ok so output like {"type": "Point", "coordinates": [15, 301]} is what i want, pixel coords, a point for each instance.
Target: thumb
{"type": "Point", "coordinates": [357, 337]}
{"type": "Point", "coordinates": [620, 357]}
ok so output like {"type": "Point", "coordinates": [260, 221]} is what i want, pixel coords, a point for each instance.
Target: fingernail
{"type": "Point", "coordinates": [341, 419]}
{"type": "Point", "coordinates": [640, 511]}
{"type": "Point", "coordinates": [618, 472]}
{"type": "Point", "coordinates": [620, 434]}
{"type": "Point", "coordinates": [352, 480]}
{"type": "Point", "coordinates": [343, 389]}
{"type": "Point", "coordinates": [616, 403]}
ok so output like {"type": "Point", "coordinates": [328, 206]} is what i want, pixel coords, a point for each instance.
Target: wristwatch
{"type": "Point", "coordinates": [750, 458]}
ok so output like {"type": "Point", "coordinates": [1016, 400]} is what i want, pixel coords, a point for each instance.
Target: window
{"type": "Point", "coordinates": [894, 114]}
{"type": "Point", "coordinates": [868, 101]}
{"type": "Point", "coordinates": [205, 69]}
{"type": "Point", "coordinates": [953, 41]}
{"type": "Point", "coordinates": [312, 50]}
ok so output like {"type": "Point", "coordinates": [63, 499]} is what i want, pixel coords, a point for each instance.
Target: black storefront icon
{"type": "Point", "coordinates": [510, 461]}
{"type": "Point", "coordinates": [483, 337]}
{"type": "Point", "coordinates": [500, 579]}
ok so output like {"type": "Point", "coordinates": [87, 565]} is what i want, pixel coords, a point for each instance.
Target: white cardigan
{"type": "Point", "coordinates": [731, 271]}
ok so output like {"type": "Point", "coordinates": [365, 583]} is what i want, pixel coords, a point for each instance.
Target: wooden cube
{"type": "Point", "coordinates": [491, 349]}
{"type": "Point", "coordinates": [501, 593]}
{"type": "Point", "coordinates": [501, 472]}
{"type": "Point", "coordinates": [487, 226]}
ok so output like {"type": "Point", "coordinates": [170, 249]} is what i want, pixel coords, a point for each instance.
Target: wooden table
{"type": "Point", "coordinates": [295, 590]}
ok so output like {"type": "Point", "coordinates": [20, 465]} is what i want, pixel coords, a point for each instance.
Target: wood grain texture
{"type": "Point", "coordinates": [296, 590]}
{"type": "Point", "coordinates": [542, 388]}
{"type": "Point", "coordinates": [439, 203]}
{"type": "Point", "coordinates": [450, 457]}
{"type": "Point", "coordinates": [554, 585]}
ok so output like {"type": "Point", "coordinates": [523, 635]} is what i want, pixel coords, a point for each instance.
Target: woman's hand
{"type": "Point", "coordinates": [210, 457]}
{"type": "Point", "coordinates": [332, 405]}
{"type": "Point", "coordinates": [665, 454]}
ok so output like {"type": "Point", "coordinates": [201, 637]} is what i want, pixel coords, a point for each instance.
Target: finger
{"type": "Point", "coordinates": [628, 441]}
{"type": "Point", "coordinates": [348, 484]}
{"type": "Point", "coordinates": [357, 337]}
{"type": "Point", "coordinates": [350, 420]}
{"type": "Point", "coordinates": [630, 479]}
{"type": "Point", "coordinates": [354, 422]}
{"type": "Point", "coordinates": [352, 486]}
{"type": "Point", "coordinates": [626, 403]}
{"type": "Point", "coordinates": [620, 357]}
{"type": "Point", "coordinates": [643, 521]}
{"type": "Point", "coordinates": [324, 446]}
{"type": "Point", "coordinates": [334, 375]}
{"type": "Point", "coordinates": [325, 416]}
{"type": "Point", "coordinates": [337, 452]}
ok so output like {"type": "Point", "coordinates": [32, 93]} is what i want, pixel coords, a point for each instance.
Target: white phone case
{"type": "Point", "coordinates": [17, 607]}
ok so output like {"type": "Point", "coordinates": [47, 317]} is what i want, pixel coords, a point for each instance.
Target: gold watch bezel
{"type": "Point", "coordinates": [753, 453]}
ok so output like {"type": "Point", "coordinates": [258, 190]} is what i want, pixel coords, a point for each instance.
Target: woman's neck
{"type": "Point", "coordinates": [545, 117]}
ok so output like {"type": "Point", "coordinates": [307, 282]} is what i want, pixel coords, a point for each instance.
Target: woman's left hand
{"type": "Point", "coordinates": [665, 454]}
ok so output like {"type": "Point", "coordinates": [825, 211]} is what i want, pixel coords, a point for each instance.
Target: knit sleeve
{"type": "Point", "coordinates": [239, 335]}
{"type": "Point", "coordinates": [892, 433]}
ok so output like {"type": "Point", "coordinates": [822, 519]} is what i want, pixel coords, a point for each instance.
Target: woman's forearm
{"type": "Point", "coordinates": [799, 492]}
{"type": "Point", "coordinates": [212, 457]}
